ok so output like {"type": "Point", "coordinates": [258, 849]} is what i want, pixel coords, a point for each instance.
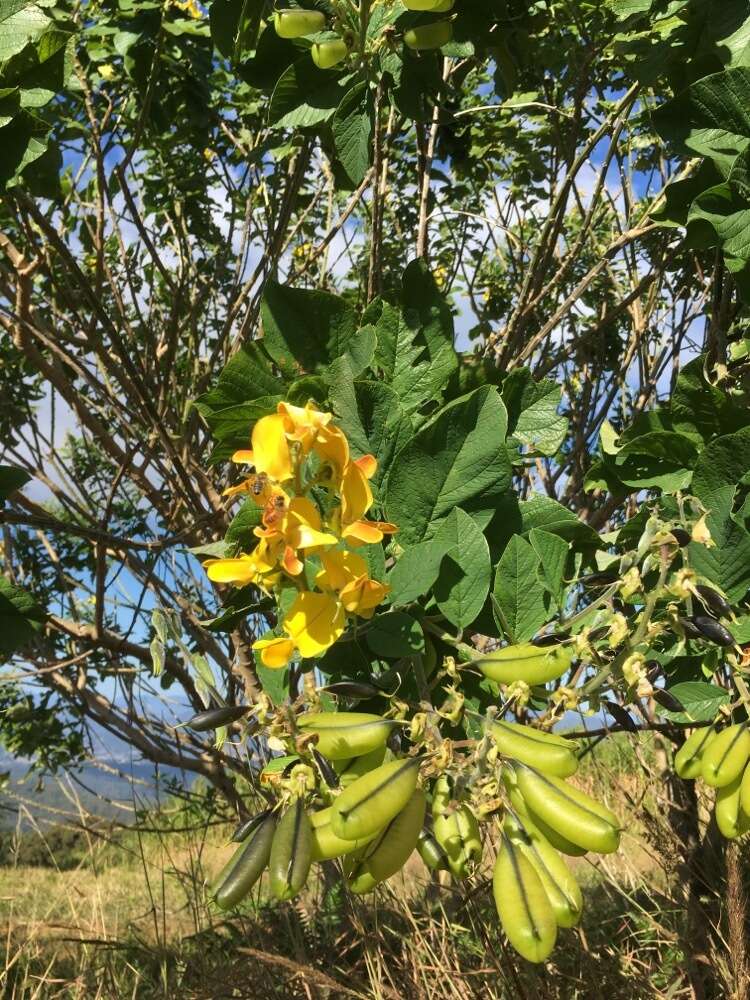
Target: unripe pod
{"type": "Point", "coordinates": [458, 834]}
{"type": "Point", "coordinates": [731, 818]}
{"type": "Point", "coordinates": [577, 816]}
{"type": "Point", "coordinates": [325, 843]}
{"type": "Point", "coordinates": [688, 761]}
{"type": "Point", "coordinates": [291, 852]}
{"type": "Point", "coordinates": [297, 23]}
{"type": "Point", "coordinates": [213, 718]}
{"type": "Point", "coordinates": [326, 55]}
{"type": "Point", "coordinates": [429, 36]}
{"type": "Point", "coordinates": [525, 662]}
{"type": "Point", "coordinates": [549, 753]}
{"type": "Point", "coordinates": [390, 850]}
{"type": "Point", "coordinates": [374, 799]}
{"type": "Point", "coordinates": [726, 756]}
{"type": "Point", "coordinates": [246, 866]}
{"type": "Point", "coordinates": [346, 734]}
{"type": "Point", "coordinates": [431, 852]}
{"type": "Point", "coordinates": [559, 883]}
{"type": "Point", "coordinates": [349, 770]}
{"type": "Point", "coordinates": [536, 828]}
{"type": "Point", "coordinates": [745, 792]}
{"type": "Point", "coordinates": [420, 4]}
{"type": "Point", "coordinates": [522, 904]}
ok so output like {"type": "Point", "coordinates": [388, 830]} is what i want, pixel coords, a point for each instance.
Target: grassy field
{"type": "Point", "coordinates": [117, 914]}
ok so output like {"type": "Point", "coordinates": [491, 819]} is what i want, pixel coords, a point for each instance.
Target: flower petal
{"type": "Point", "coordinates": [314, 622]}
{"type": "Point", "coordinates": [271, 448]}
{"type": "Point", "coordinates": [356, 495]}
{"type": "Point", "coordinates": [368, 464]}
{"type": "Point", "coordinates": [340, 567]}
{"type": "Point", "coordinates": [243, 457]}
{"type": "Point", "coordinates": [275, 653]}
{"type": "Point", "coordinates": [242, 570]}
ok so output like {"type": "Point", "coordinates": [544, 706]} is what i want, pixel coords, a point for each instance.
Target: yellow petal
{"type": "Point", "coordinates": [275, 653]}
{"type": "Point", "coordinates": [291, 563]}
{"type": "Point", "coordinates": [271, 448]}
{"type": "Point", "coordinates": [363, 595]}
{"type": "Point", "coordinates": [243, 457]}
{"type": "Point", "coordinates": [242, 570]}
{"type": "Point", "coordinates": [367, 532]}
{"type": "Point", "coordinates": [332, 447]}
{"type": "Point", "coordinates": [303, 423]}
{"type": "Point", "coordinates": [314, 622]}
{"type": "Point", "coordinates": [356, 495]}
{"type": "Point", "coordinates": [368, 464]}
{"type": "Point", "coordinates": [339, 569]}
{"type": "Point", "coordinates": [303, 524]}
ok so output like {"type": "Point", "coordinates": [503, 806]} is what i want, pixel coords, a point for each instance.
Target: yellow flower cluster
{"type": "Point", "coordinates": [297, 454]}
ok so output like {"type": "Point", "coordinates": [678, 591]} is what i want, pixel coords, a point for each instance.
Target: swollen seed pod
{"type": "Point", "coordinates": [420, 4]}
{"type": "Point", "coordinates": [298, 23]}
{"type": "Point", "coordinates": [349, 770]}
{"type": "Point", "coordinates": [391, 849]}
{"type": "Point", "coordinates": [374, 799]}
{"type": "Point", "coordinates": [246, 866]}
{"type": "Point", "coordinates": [325, 843]}
{"type": "Point", "coordinates": [536, 828]}
{"type": "Point", "coordinates": [326, 55]}
{"type": "Point", "coordinates": [291, 852]}
{"type": "Point", "coordinates": [213, 718]}
{"type": "Point", "coordinates": [522, 904]}
{"type": "Point", "coordinates": [525, 662]}
{"type": "Point", "coordinates": [731, 818]}
{"type": "Point", "coordinates": [431, 852]}
{"type": "Point", "coordinates": [346, 734]}
{"type": "Point", "coordinates": [559, 883]}
{"type": "Point", "coordinates": [429, 36]}
{"type": "Point", "coordinates": [575, 815]}
{"type": "Point", "coordinates": [745, 792]}
{"type": "Point", "coordinates": [352, 689]}
{"type": "Point", "coordinates": [458, 834]}
{"type": "Point", "coordinates": [726, 755]}
{"type": "Point", "coordinates": [549, 753]}
{"type": "Point", "coordinates": [688, 761]}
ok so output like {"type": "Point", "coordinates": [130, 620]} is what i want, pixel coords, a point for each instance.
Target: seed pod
{"type": "Point", "coordinates": [429, 36]}
{"type": "Point", "coordinates": [690, 629]}
{"type": "Point", "coordinates": [681, 536]}
{"type": "Point", "coordinates": [346, 734]}
{"type": "Point", "coordinates": [326, 55]}
{"type": "Point", "coordinates": [559, 883]}
{"type": "Point", "coordinates": [525, 662]}
{"type": "Point", "coordinates": [597, 634]}
{"type": "Point", "coordinates": [373, 800]}
{"type": "Point", "coordinates": [603, 579]}
{"type": "Point", "coordinates": [731, 818]}
{"type": "Point", "coordinates": [352, 689]}
{"type": "Point", "coordinates": [745, 792]}
{"type": "Point", "coordinates": [576, 816]}
{"type": "Point", "coordinates": [726, 755]}
{"type": "Point", "coordinates": [522, 904]}
{"type": "Point", "coordinates": [297, 23]}
{"type": "Point", "coordinates": [325, 843]}
{"type": "Point", "coordinates": [246, 866]}
{"type": "Point", "coordinates": [245, 828]}
{"type": "Point", "coordinates": [431, 852]}
{"type": "Point", "coordinates": [688, 761]}
{"type": "Point", "coordinates": [712, 630]}
{"type": "Point", "coordinates": [551, 639]}
{"type": "Point", "coordinates": [621, 715]}
{"type": "Point", "coordinates": [549, 753]}
{"type": "Point", "coordinates": [535, 827]}
{"type": "Point", "coordinates": [291, 852]}
{"type": "Point", "coordinates": [349, 770]}
{"type": "Point", "coordinates": [457, 832]}
{"type": "Point", "coordinates": [715, 602]}
{"type": "Point", "coordinates": [326, 770]}
{"type": "Point", "coordinates": [421, 4]}
{"type": "Point", "coordinates": [387, 853]}
{"type": "Point", "coordinates": [667, 700]}
{"type": "Point", "coordinates": [214, 718]}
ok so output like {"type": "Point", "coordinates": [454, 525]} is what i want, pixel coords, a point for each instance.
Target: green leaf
{"type": "Point", "coordinates": [553, 555]}
{"type": "Point", "coordinates": [659, 459]}
{"type": "Point", "coordinates": [539, 511]}
{"type": "Point", "coordinates": [239, 534]}
{"type": "Point", "coordinates": [305, 95]}
{"type": "Point", "coordinates": [699, 405]}
{"type": "Point", "coordinates": [518, 593]}
{"type": "Point", "coordinates": [245, 377]}
{"type": "Point", "coordinates": [304, 330]}
{"type": "Point", "coordinates": [21, 617]}
{"type": "Point", "coordinates": [275, 683]}
{"type": "Point", "coordinates": [352, 132]}
{"type": "Point", "coordinates": [465, 573]}
{"type": "Point", "coordinates": [234, 26]}
{"type": "Point", "coordinates": [11, 479]}
{"type": "Point", "coordinates": [533, 415]}
{"type": "Point", "coordinates": [457, 459]}
{"type": "Point", "coordinates": [240, 603]}
{"type": "Point", "coordinates": [416, 571]}
{"type": "Point", "coordinates": [395, 634]}
{"type": "Point", "coordinates": [700, 700]}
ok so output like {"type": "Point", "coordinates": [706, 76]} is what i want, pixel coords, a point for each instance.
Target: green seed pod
{"type": "Point", "coordinates": [373, 800]}
{"type": "Point", "coordinates": [535, 827]}
{"type": "Point", "coordinates": [429, 36]}
{"type": "Point", "coordinates": [391, 849]}
{"type": "Point", "coordinates": [326, 55]}
{"type": "Point", "coordinates": [298, 23]}
{"type": "Point", "coordinates": [688, 761]}
{"type": "Point", "coordinates": [420, 4]}
{"type": "Point", "coordinates": [246, 866]}
{"type": "Point", "coordinates": [522, 904]}
{"type": "Point", "coordinates": [559, 883]}
{"type": "Point", "coordinates": [525, 662]}
{"type": "Point", "coordinates": [731, 818]}
{"type": "Point", "coordinates": [325, 843]}
{"type": "Point", "coordinates": [575, 815]}
{"type": "Point", "coordinates": [353, 768]}
{"type": "Point", "coordinates": [547, 752]}
{"type": "Point", "coordinates": [726, 755]}
{"type": "Point", "coordinates": [291, 852]}
{"type": "Point", "coordinates": [457, 832]}
{"type": "Point", "coordinates": [431, 852]}
{"type": "Point", "coordinates": [346, 734]}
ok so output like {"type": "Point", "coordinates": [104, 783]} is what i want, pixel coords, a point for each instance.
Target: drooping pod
{"type": "Point", "coordinates": [731, 818]}
{"type": "Point", "coordinates": [534, 826]}
{"type": "Point", "coordinates": [525, 911]}
{"type": "Point", "coordinates": [429, 36]}
{"type": "Point", "coordinates": [353, 768]}
{"type": "Point", "coordinates": [296, 23]}
{"type": "Point", "coordinates": [559, 883]}
{"type": "Point", "coordinates": [576, 816]}
{"type": "Point", "coordinates": [346, 734]}
{"type": "Point", "coordinates": [525, 662]}
{"type": "Point", "coordinates": [244, 829]}
{"type": "Point", "coordinates": [325, 844]}
{"type": "Point", "coordinates": [291, 852]}
{"type": "Point", "coordinates": [387, 853]}
{"type": "Point", "coordinates": [688, 761]}
{"type": "Point", "coordinates": [214, 718]}
{"type": "Point", "coordinates": [431, 852]}
{"type": "Point", "coordinates": [726, 755]}
{"type": "Point", "coordinates": [547, 752]}
{"type": "Point", "coordinates": [374, 799]}
{"type": "Point", "coordinates": [246, 866]}
{"type": "Point", "coordinates": [326, 55]}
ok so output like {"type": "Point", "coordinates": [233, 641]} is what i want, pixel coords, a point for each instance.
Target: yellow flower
{"type": "Point", "coordinates": [303, 423]}
{"type": "Point", "coordinates": [270, 449]}
{"type": "Point", "coordinates": [356, 500]}
{"type": "Point", "coordinates": [314, 622]}
{"type": "Point", "coordinates": [346, 573]}
{"type": "Point", "coordinates": [255, 567]}
{"type": "Point", "coordinates": [294, 528]}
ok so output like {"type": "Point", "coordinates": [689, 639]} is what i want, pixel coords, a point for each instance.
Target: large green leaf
{"type": "Point", "coordinates": [245, 377]}
{"type": "Point", "coordinates": [533, 415]}
{"type": "Point", "coordinates": [304, 330]}
{"type": "Point", "coordinates": [539, 511]}
{"type": "Point", "coordinates": [305, 95]}
{"type": "Point", "coordinates": [352, 132]}
{"type": "Point", "coordinates": [458, 459]}
{"type": "Point", "coordinates": [395, 634]}
{"type": "Point", "coordinates": [658, 459]}
{"type": "Point", "coordinates": [700, 700]}
{"type": "Point", "coordinates": [520, 597]}
{"type": "Point", "coordinates": [416, 570]}
{"type": "Point", "coordinates": [553, 555]}
{"type": "Point", "coordinates": [21, 617]}
{"type": "Point", "coordinates": [465, 573]}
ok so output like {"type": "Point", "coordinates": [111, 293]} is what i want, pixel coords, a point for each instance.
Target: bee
{"type": "Point", "coordinates": [274, 510]}
{"type": "Point", "coordinates": [258, 484]}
